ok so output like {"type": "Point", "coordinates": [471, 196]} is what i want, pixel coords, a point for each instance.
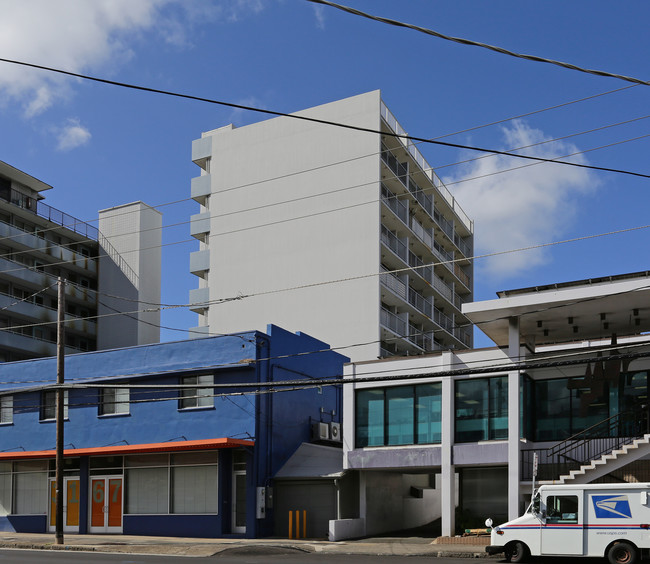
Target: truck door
{"type": "Point", "coordinates": [562, 529]}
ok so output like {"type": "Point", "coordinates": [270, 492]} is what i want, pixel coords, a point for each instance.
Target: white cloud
{"type": "Point", "coordinates": [72, 135]}
{"type": "Point", "coordinates": [85, 36]}
{"type": "Point", "coordinates": [525, 207]}
{"type": "Point", "coordinates": [319, 12]}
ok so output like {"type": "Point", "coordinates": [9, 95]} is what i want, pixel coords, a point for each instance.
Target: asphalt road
{"type": "Point", "coordinates": [251, 556]}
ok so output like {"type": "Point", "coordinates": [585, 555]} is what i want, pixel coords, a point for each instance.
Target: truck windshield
{"type": "Point", "coordinates": [534, 505]}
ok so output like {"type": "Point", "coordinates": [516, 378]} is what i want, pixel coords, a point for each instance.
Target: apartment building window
{"type": "Point", "coordinates": [114, 401]}
{"type": "Point", "coordinates": [399, 415]}
{"type": "Point", "coordinates": [6, 410]}
{"type": "Point", "coordinates": [199, 397]}
{"type": "Point", "coordinates": [482, 409]}
{"type": "Point", "coordinates": [48, 405]}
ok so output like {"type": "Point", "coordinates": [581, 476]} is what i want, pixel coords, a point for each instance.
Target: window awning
{"type": "Point", "coordinates": [205, 444]}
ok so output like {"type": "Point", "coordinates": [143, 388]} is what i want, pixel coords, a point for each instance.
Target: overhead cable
{"type": "Point", "coordinates": [316, 120]}
{"type": "Point", "coordinates": [469, 42]}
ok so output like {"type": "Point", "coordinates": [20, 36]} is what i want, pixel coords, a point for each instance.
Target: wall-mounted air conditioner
{"type": "Point", "coordinates": [335, 431]}
{"type": "Point", "coordinates": [320, 431]}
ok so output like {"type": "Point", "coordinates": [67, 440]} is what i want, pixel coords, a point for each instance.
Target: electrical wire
{"type": "Point", "coordinates": [479, 44]}
{"type": "Point", "coordinates": [316, 120]}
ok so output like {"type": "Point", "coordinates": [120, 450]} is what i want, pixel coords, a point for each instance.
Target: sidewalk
{"type": "Point", "coordinates": [176, 546]}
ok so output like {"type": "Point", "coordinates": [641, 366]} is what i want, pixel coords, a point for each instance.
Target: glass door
{"type": "Point", "coordinates": [70, 505]}
{"type": "Point", "coordinates": [106, 502]}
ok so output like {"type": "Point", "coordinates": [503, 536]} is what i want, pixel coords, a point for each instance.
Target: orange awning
{"type": "Point", "coordinates": [205, 444]}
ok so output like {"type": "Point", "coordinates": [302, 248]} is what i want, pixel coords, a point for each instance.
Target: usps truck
{"type": "Point", "coordinates": [610, 520]}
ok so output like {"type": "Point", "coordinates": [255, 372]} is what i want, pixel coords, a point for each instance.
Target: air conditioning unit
{"type": "Point", "coordinates": [335, 431]}
{"type": "Point", "coordinates": [320, 431]}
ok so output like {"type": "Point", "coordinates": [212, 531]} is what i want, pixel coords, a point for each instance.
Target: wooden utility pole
{"type": "Point", "coordinates": [60, 413]}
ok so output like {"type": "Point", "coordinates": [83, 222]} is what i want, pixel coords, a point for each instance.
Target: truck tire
{"type": "Point", "coordinates": [622, 553]}
{"type": "Point", "coordinates": [517, 551]}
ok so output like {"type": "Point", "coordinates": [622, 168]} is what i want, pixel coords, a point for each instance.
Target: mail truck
{"type": "Point", "coordinates": [610, 520]}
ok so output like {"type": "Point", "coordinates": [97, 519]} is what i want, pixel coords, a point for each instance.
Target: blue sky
{"type": "Point", "coordinates": [101, 146]}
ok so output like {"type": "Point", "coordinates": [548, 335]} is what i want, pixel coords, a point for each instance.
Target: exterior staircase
{"type": "Point", "coordinates": [594, 452]}
{"type": "Point", "coordinates": [608, 462]}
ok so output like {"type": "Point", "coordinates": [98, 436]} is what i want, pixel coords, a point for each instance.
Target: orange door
{"type": "Point", "coordinates": [97, 489]}
{"type": "Point", "coordinates": [115, 502]}
{"type": "Point", "coordinates": [106, 505]}
{"type": "Point", "coordinates": [70, 505]}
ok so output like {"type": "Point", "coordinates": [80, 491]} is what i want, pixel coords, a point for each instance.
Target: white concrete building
{"type": "Point", "coordinates": [39, 244]}
{"type": "Point", "coordinates": [307, 222]}
{"type": "Point", "coordinates": [451, 435]}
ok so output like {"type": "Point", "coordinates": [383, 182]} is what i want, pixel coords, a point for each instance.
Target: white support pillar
{"type": "Point", "coordinates": [448, 478]}
{"type": "Point", "coordinates": [514, 454]}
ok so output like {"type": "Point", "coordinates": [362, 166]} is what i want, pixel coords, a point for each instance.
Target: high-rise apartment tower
{"type": "Point", "coordinates": [348, 235]}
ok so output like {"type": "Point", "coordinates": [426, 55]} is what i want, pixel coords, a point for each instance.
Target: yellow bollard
{"type": "Point", "coordinates": [290, 524]}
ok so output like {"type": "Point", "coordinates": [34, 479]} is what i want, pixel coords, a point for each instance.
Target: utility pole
{"type": "Point", "coordinates": [60, 403]}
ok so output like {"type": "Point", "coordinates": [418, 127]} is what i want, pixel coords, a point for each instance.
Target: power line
{"type": "Point", "coordinates": [315, 120]}
{"type": "Point", "coordinates": [479, 44]}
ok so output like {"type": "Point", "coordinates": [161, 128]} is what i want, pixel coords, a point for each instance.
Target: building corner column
{"type": "Point", "coordinates": [448, 474]}
{"type": "Point", "coordinates": [514, 424]}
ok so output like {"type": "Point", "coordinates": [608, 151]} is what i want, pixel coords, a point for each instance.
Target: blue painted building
{"type": "Point", "coordinates": [162, 439]}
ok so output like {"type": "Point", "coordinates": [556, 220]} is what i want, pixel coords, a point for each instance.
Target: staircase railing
{"type": "Point", "coordinates": [590, 444]}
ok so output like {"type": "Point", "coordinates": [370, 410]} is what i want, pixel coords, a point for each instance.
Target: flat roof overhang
{"type": "Point", "coordinates": [559, 313]}
{"type": "Point", "coordinates": [205, 444]}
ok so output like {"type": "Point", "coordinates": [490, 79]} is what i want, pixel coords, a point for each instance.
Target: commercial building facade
{"type": "Point", "coordinates": [451, 437]}
{"type": "Point", "coordinates": [39, 244]}
{"type": "Point", "coordinates": [356, 224]}
{"type": "Point", "coordinates": [178, 439]}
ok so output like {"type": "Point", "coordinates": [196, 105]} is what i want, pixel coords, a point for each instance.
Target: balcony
{"type": "Point", "coordinates": [200, 225]}
{"type": "Point", "coordinates": [399, 207]}
{"type": "Point", "coordinates": [419, 302]}
{"type": "Point", "coordinates": [464, 247]}
{"type": "Point", "coordinates": [425, 235]}
{"type": "Point", "coordinates": [393, 283]}
{"type": "Point", "coordinates": [34, 313]}
{"type": "Point", "coordinates": [462, 276]}
{"type": "Point", "coordinates": [392, 321]}
{"type": "Point", "coordinates": [202, 150]}
{"type": "Point", "coordinates": [199, 332]}
{"type": "Point", "coordinates": [34, 244]}
{"type": "Point", "coordinates": [199, 298]}
{"type": "Point", "coordinates": [201, 187]}
{"type": "Point", "coordinates": [392, 241]}
{"type": "Point", "coordinates": [200, 261]}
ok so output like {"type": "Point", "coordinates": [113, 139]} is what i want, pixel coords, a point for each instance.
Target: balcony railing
{"type": "Point", "coordinates": [425, 235]}
{"type": "Point", "coordinates": [400, 170]}
{"type": "Point", "coordinates": [393, 283]}
{"type": "Point", "coordinates": [391, 240]}
{"type": "Point", "coordinates": [398, 207]}
{"type": "Point", "coordinates": [392, 321]}
{"type": "Point", "coordinates": [462, 276]}
{"type": "Point", "coordinates": [51, 214]}
{"type": "Point", "coordinates": [462, 245]}
{"type": "Point", "coordinates": [420, 303]}
{"type": "Point", "coordinates": [443, 320]}
{"type": "Point", "coordinates": [393, 124]}
{"type": "Point", "coordinates": [417, 264]}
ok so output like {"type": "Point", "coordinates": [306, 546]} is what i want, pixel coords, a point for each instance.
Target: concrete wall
{"type": "Point", "coordinates": [257, 246]}
{"type": "Point", "coordinates": [131, 240]}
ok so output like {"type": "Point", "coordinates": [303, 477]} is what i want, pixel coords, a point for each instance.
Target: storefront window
{"type": "Point", "coordinates": [370, 418]}
{"type": "Point", "coordinates": [428, 413]}
{"type": "Point", "coordinates": [400, 403]}
{"type": "Point", "coordinates": [566, 406]}
{"type": "Point", "coordinates": [398, 415]}
{"type": "Point", "coordinates": [481, 409]}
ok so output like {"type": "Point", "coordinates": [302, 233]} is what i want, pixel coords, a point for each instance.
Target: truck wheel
{"type": "Point", "coordinates": [517, 551]}
{"type": "Point", "coordinates": [622, 553]}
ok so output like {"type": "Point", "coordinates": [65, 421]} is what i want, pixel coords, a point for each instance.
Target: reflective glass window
{"type": "Point", "coordinates": [400, 402]}
{"type": "Point", "coordinates": [428, 413]}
